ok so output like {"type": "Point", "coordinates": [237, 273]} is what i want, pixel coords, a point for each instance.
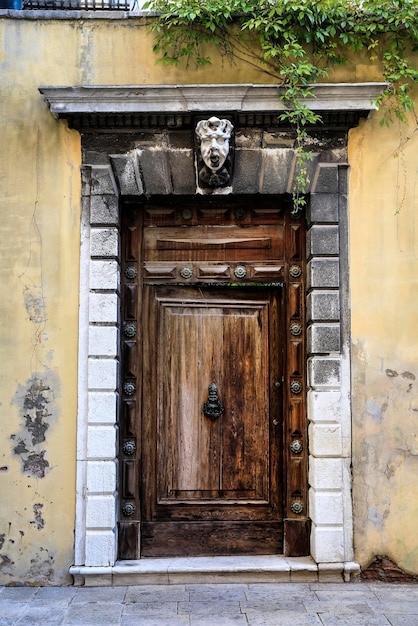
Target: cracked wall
{"type": "Point", "coordinates": [40, 214]}
{"type": "Point", "coordinates": [39, 249]}
{"type": "Point", "coordinates": [384, 303]}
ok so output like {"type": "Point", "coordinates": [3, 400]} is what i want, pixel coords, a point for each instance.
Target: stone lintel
{"type": "Point", "coordinates": [242, 98]}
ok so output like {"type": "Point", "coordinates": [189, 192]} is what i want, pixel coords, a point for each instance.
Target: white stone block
{"type": "Point", "coordinates": [101, 442]}
{"type": "Point", "coordinates": [104, 209]}
{"type": "Point", "coordinates": [324, 373]}
{"type": "Point", "coordinates": [103, 407]}
{"type": "Point", "coordinates": [103, 341]}
{"type": "Point", "coordinates": [327, 544]}
{"type": "Point", "coordinates": [102, 180]}
{"type": "Point", "coordinates": [325, 440]}
{"type": "Point", "coordinates": [325, 473]}
{"type": "Point", "coordinates": [323, 306]}
{"type": "Point", "coordinates": [104, 242]}
{"type": "Point", "coordinates": [102, 374]}
{"type": "Point", "coordinates": [104, 275]}
{"type": "Point", "coordinates": [331, 572]}
{"type": "Point", "coordinates": [323, 239]}
{"type": "Point", "coordinates": [325, 508]}
{"type": "Point", "coordinates": [101, 512]}
{"type": "Point", "coordinates": [101, 477]}
{"type": "Point", "coordinates": [100, 548]}
{"type": "Point", "coordinates": [323, 338]}
{"type": "Point", "coordinates": [103, 307]}
{"type": "Point", "coordinates": [324, 406]}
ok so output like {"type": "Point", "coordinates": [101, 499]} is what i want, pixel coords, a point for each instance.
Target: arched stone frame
{"type": "Point", "coordinates": [154, 168]}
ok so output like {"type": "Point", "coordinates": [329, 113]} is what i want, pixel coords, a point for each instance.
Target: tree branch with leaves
{"type": "Point", "coordinates": [296, 42]}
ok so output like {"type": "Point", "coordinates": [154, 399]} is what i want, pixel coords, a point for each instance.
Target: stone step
{"type": "Point", "coordinates": [219, 569]}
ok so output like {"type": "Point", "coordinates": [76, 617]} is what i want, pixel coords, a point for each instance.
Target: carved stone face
{"type": "Point", "coordinates": [214, 135]}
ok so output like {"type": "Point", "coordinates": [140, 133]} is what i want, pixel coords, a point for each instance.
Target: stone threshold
{"type": "Point", "coordinates": [219, 569]}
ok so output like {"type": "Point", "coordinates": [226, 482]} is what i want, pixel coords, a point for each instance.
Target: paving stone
{"type": "Point", "coordinates": [155, 620]}
{"type": "Point", "coordinates": [285, 593]}
{"type": "Point", "coordinates": [52, 605]}
{"type": "Point", "coordinates": [221, 620]}
{"type": "Point", "coordinates": [216, 588]}
{"type": "Point", "coordinates": [45, 614]}
{"type": "Point", "coordinates": [345, 595]}
{"type": "Point", "coordinates": [283, 603]}
{"type": "Point", "coordinates": [220, 594]}
{"type": "Point", "coordinates": [102, 594]}
{"type": "Point", "coordinates": [150, 608]}
{"type": "Point", "coordinates": [18, 594]}
{"type": "Point", "coordinates": [388, 593]}
{"type": "Point", "coordinates": [353, 619]}
{"type": "Point", "coordinates": [405, 607]}
{"type": "Point", "coordinates": [93, 614]}
{"type": "Point", "coordinates": [283, 618]}
{"type": "Point", "coordinates": [156, 593]}
{"type": "Point", "coordinates": [256, 604]}
{"type": "Point", "coordinates": [353, 586]}
{"type": "Point", "coordinates": [206, 608]}
{"type": "Point", "coordinates": [10, 611]}
{"type": "Point", "coordinates": [339, 607]}
{"type": "Point", "coordinates": [294, 588]}
{"type": "Point", "coordinates": [55, 594]}
{"type": "Point", "coordinates": [402, 620]}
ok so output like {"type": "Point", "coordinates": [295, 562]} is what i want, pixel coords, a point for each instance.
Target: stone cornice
{"type": "Point", "coordinates": [65, 102]}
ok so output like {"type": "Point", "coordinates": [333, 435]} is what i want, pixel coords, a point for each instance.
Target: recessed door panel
{"type": "Point", "coordinates": [222, 467]}
{"type": "Point", "coordinates": [213, 422]}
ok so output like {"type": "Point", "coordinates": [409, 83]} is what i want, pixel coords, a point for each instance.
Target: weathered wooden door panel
{"type": "Point", "coordinates": [198, 469]}
{"type": "Point", "coordinates": [210, 538]}
{"type": "Point", "coordinates": [213, 293]}
{"type": "Point", "coordinates": [217, 243]}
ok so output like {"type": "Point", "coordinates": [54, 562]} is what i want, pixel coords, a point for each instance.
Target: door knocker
{"type": "Point", "coordinates": [213, 407]}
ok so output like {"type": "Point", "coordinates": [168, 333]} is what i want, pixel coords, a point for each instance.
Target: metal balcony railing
{"type": "Point", "coordinates": [79, 5]}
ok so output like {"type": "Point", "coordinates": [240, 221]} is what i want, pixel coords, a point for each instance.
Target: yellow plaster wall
{"type": "Point", "coordinates": [39, 247]}
{"type": "Point", "coordinates": [384, 301]}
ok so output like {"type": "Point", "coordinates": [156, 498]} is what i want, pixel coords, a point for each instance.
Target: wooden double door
{"type": "Point", "coordinates": [207, 415]}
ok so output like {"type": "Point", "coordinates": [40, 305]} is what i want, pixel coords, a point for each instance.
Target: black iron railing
{"type": "Point", "coordinates": [79, 5]}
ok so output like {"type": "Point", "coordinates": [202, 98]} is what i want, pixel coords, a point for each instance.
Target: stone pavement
{"type": "Point", "coordinates": [256, 604]}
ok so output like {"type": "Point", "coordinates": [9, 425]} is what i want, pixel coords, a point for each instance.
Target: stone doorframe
{"type": "Point", "coordinates": [264, 163]}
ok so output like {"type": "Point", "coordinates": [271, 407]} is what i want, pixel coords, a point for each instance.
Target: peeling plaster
{"type": "Point", "coordinates": [35, 304]}
{"type": "Point", "coordinates": [385, 449]}
{"type": "Point", "coordinates": [385, 570]}
{"type": "Point", "coordinates": [376, 409]}
{"type": "Point", "coordinates": [37, 407]}
{"type": "Point", "coordinates": [41, 568]}
{"type": "Point", "coordinates": [393, 464]}
{"type": "Point", "coordinates": [5, 561]}
{"type": "Point", "coordinates": [38, 522]}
